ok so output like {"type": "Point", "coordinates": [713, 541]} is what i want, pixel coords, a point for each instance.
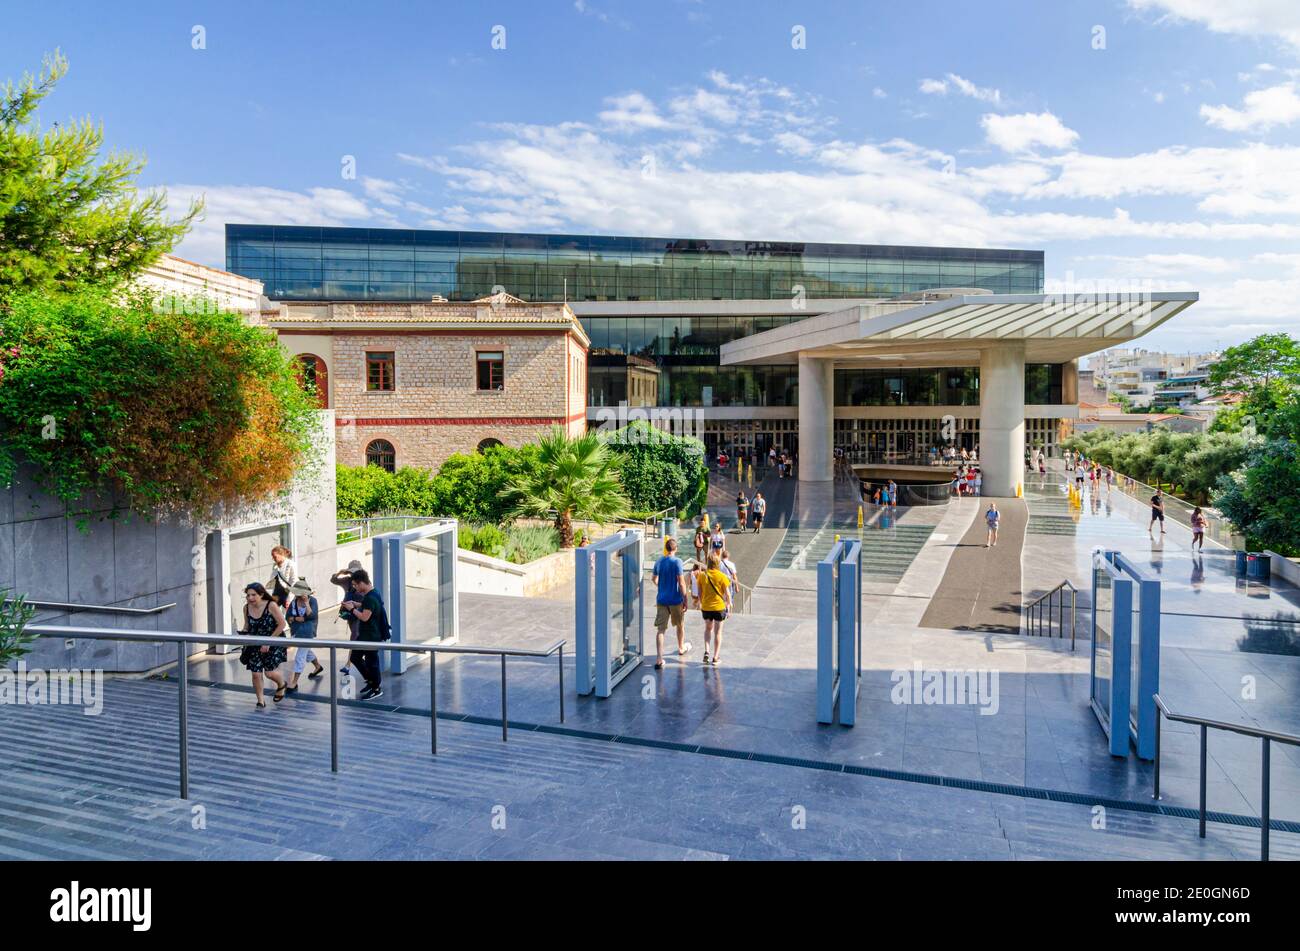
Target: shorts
{"type": "Point", "coordinates": [668, 613]}
{"type": "Point", "coordinates": [758, 518]}
{"type": "Point", "coordinates": [715, 615]}
{"type": "Point", "coordinates": [1157, 514]}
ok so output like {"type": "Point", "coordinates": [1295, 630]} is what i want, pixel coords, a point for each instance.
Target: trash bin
{"type": "Point", "coordinates": [1259, 566]}
{"type": "Point", "coordinates": [1241, 562]}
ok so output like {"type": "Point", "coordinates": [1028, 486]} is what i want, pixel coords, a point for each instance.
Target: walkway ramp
{"type": "Point", "coordinates": [981, 590]}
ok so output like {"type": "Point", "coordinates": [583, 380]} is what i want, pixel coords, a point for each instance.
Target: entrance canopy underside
{"type": "Point", "coordinates": [1053, 328]}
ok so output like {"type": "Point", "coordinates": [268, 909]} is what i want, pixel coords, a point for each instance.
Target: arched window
{"type": "Point", "coordinates": [314, 377]}
{"type": "Point", "coordinates": [380, 452]}
{"type": "Point", "coordinates": [487, 444]}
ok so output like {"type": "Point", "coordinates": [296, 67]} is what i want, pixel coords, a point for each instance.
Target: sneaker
{"type": "Point", "coordinates": [686, 649]}
{"type": "Point", "coordinates": [372, 693]}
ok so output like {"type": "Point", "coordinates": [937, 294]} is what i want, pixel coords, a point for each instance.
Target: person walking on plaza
{"type": "Point", "coordinates": [893, 494]}
{"type": "Point", "coordinates": [992, 517]}
{"type": "Point", "coordinates": [670, 602]}
{"type": "Point", "coordinates": [742, 509]}
{"type": "Point", "coordinates": [263, 618]}
{"type": "Point", "coordinates": [718, 540]}
{"type": "Point", "coordinates": [979, 481]}
{"type": "Point", "coordinates": [701, 541]}
{"type": "Point", "coordinates": [1157, 512]}
{"type": "Point", "coordinates": [343, 578]}
{"type": "Point", "coordinates": [283, 574]}
{"type": "Point", "coordinates": [715, 602]}
{"type": "Point", "coordinates": [302, 614]}
{"type": "Point", "coordinates": [729, 567]}
{"type": "Point", "coordinates": [373, 628]}
{"type": "Point", "coordinates": [1199, 521]}
{"type": "Point", "coordinates": [760, 509]}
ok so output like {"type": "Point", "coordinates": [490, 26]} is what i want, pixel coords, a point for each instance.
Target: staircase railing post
{"type": "Point", "coordinates": [183, 739]}
{"type": "Point", "coordinates": [1263, 819]}
{"type": "Point", "coordinates": [1204, 735]}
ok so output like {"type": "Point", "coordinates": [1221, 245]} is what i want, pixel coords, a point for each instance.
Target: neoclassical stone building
{"type": "Point", "coordinates": [412, 383]}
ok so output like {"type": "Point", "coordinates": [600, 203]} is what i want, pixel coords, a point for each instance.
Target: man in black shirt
{"type": "Point", "coordinates": [1157, 512]}
{"type": "Point", "coordinates": [369, 612]}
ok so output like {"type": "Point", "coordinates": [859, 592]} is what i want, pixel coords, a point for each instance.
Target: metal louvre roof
{"type": "Point", "coordinates": [1052, 327]}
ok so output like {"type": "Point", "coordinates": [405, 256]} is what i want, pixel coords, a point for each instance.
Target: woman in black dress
{"type": "Point", "coordinates": [263, 618]}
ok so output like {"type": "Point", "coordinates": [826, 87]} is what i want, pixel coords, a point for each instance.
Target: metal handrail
{"type": "Point", "coordinates": [1208, 723]}
{"type": "Point", "coordinates": [181, 638]}
{"type": "Point", "coordinates": [1042, 605]}
{"type": "Point", "coordinates": [362, 528]}
{"type": "Point", "coordinates": [73, 608]}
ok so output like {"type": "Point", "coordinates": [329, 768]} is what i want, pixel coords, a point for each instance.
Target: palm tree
{"type": "Point", "coordinates": [575, 477]}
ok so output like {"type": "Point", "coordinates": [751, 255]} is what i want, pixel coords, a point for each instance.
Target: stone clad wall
{"type": "Point", "coordinates": [133, 561]}
{"type": "Point", "coordinates": [436, 408]}
{"type": "Point", "coordinates": [436, 375]}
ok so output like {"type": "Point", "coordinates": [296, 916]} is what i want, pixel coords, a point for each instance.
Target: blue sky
{"type": "Point", "coordinates": [1143, 144]}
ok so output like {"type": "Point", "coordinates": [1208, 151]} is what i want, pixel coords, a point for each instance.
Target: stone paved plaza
{"type": "Point", "coordinates": [696, 761]}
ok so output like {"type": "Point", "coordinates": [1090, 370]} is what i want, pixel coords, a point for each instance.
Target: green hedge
{"type": "Point", "coordinates": [467, 487]}
{"type": "Point", "coordinates": [659, 470]}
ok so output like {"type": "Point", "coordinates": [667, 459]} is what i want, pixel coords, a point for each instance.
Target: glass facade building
{"type": "Point", "coordinates": [371, 264]}
{"type": "Point", "coordinates": [350, 264]}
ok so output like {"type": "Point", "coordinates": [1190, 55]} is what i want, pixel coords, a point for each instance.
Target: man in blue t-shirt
{"type": "Point", "coordinates": [670, 601]}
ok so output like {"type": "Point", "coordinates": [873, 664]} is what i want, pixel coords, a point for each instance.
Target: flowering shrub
{"type": "Point", "coordinates": [178, 413]}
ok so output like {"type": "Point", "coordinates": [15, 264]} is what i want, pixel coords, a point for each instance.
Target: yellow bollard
{"type": "Point", "coordinates": [751, 475]}
{"type": "Point", "coordinates": [859, 516]}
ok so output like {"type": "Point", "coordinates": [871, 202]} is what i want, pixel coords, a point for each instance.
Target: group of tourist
{"type": "Point", "coordinates": [967, 480]}
{"type": "Point", "coordinates": [707, 586]}
{"type": "Point", "coordinates": [287, 605]}
{"type": "Point", "coordinates": [1094, 474]}
{"type": "Point", "coordinates": [782, 462]}
{"type": "Point", "coordinates": [750, 511]}
{"type": "Point", "coordinates": [886, 495]}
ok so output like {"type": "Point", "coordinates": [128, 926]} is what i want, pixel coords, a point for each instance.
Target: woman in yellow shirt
{"type": "Point", "coordinates": [715, 602]}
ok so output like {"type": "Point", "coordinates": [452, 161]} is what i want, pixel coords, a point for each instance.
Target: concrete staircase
{"type": "Point", "coordinates": [104, 788]}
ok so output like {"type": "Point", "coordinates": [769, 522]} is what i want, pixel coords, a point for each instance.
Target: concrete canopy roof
{"type": "Point", "coordinates": [1054, 328]}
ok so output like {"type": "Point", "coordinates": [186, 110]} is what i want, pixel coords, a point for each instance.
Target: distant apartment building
{"type": "Point", "coordinates": [413, 383]}
{"type": "Point", "coordinates": [1148, 379]}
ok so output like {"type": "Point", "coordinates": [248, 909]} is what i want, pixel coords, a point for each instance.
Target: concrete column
{"type": "Point", "coordinates": [1002, 418]}
{"type": "Point", "coordinates": [816, 419]}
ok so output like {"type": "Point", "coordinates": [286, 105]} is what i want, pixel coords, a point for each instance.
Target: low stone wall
{"type": "Point", "coordinates": [1283, 567]}
{"type": "Point", "coordinates": [483, 574]}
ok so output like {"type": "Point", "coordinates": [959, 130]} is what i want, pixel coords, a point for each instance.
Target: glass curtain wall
{"type": "Point", "coordinates": [303, 263]}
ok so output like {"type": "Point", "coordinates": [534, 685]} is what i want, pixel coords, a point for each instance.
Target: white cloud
{"type": "Point", "coordinates": [633, 110]}
{"type": "Point", "coordinates": [940, 87]}
{"type": "Point", "coordinates": [257, 204]}
{"type": "Point", "coordinates": [1262, 110]}
{"type": "Point", "coordinates": [1180, 207]}
{"type": "Point", "coordinates": [1276, 19]}
{"type": "Point", "coordinates": [1026, 131]}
